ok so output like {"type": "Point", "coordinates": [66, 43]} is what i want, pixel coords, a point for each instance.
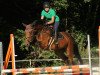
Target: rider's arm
{"type": "Point", "coordinates": [42, 14]}
{"type": "Point", "coordinates": [52, 20]}
{"type": "Point", "coordinates": [42, 17]}
{"type": "Point", "coordinates": [53, 13]}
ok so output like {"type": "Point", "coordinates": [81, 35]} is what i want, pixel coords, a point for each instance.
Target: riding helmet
{"type": "Point", "coordinates": [46, 5]}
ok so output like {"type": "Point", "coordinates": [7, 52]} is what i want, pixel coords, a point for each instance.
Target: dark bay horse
{"type": "Point", "coordinates": [66, 48]}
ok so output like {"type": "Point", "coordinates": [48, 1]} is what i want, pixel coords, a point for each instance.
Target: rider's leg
{"type": "Point", "coordinates": [56, 24]}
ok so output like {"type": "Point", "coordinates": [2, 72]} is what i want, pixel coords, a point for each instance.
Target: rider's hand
{"type": "Point", "coordinates": [46, 23]}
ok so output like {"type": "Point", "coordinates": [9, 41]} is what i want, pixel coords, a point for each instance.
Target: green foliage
{"type": "Point", "coordinates": [59, 4]}
{"type": "Point", "coordinates": [79, 37]}
{"type": "Point", "coordinates": [20, 38]}
{"type": "Point", "coordinates": [94, 52]}
{"type": "Point", "coordinates": [44, 54]}
{"type": "Point", "coordinates": [87, 1]}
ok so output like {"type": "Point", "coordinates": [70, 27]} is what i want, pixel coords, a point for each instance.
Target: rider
{"type": "Point", "coordinates": [50, 15]}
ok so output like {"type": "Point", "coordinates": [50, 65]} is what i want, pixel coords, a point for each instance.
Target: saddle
{"type": "Point", "coordinates": [51, 28]}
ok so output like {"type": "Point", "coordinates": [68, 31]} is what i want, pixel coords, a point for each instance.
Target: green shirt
{"type": "Point", "coordinates": [49, 15]}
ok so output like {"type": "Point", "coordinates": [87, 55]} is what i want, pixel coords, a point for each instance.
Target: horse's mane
{"type": "Point", "coordinates": [40, 24]}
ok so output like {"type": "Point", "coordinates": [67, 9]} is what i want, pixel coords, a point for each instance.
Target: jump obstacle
{"type": "Point", "coordinates": [59, 70]}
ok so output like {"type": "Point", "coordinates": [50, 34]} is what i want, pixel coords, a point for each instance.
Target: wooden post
{"type": "Point", "coordinates": [89, 53]}
{"type": "Point", "coordinates": [13, 53]}
{"type": "Point", "coordinates": [7, 56]}
{"type": "Point", "coordinates": [10, 53]}
{"type": "Point", "coordinates": [1, 58]}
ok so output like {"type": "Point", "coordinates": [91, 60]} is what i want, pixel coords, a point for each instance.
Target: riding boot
{"type": "Point", "coordinates": [56, 38]}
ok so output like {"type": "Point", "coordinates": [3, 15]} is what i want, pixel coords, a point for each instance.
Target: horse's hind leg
{"type": "Point", "coordinates": [60, 53]}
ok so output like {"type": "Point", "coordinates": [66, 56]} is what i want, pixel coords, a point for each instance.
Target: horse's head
{"type": "Point", "coordinates": [31, 30]}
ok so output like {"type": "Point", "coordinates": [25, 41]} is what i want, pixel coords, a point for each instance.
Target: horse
{"type": "Point", "coordinates": [42, 34]}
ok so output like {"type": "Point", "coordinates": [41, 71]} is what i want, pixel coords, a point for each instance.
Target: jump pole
{"type": "Point", "coordinates": [65, 70]}
{"type": "Point", "coordinates": [99, 46]}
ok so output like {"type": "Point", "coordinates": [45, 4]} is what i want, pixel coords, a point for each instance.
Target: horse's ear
{"type": "Point", "coordinates": [24, 24]}
{"type": "Point", "coordinates": [34, 22]}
